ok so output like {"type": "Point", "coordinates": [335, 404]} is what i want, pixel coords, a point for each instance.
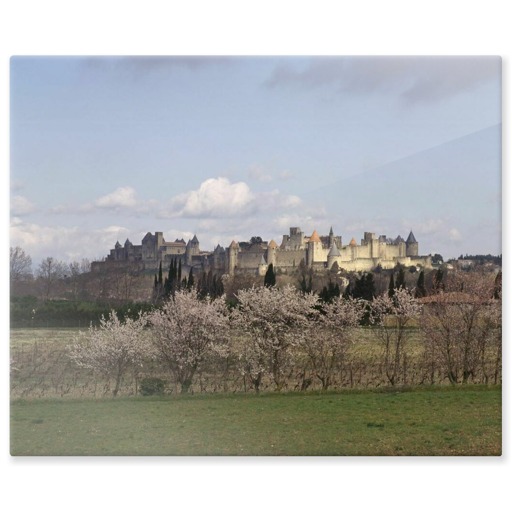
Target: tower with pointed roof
{"type": "Point", "coordinates": [219, 258]}
{"type": "Point", "coordinates": [192, 249]}
{"type": "Point", "coordinates": [271, 253]}
{"type": "Point", "coordinates": [333, 255]}
{"type": "Point", "coordinates": [262, 267]}
{"type": "Point", "coordinates": [314, 248]}
{"type": "Point", "coordinates": [411, 245]}
{"type": "Point", "coordinates": [331, 237]}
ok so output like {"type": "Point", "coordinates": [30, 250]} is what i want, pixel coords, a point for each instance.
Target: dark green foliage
{"type": "Point", "coordinates": [400, 278]}
{"type": "Point", "coordinates": [210, 285]}
{"type": "Point", "coordinates": [437, 259]}
{"type": "Point", "coordinates": [151, 386]}
{"type": "Point", "coordinates": [306, 286]}
{"type": "Point", "coordinates": [437, 284]}
{"type": "Point", "coordinates": [364, 287]}
{"type": "Point", "coordinates": [190, 282]}
{"type": "Point", "coordinates": [483, 258]}
{"type": "Point", "coordinates": [270, 277]}
{"type": "Point", "coordinates": [348, 292]}
{"type": "Point", "coordinates": [391, 287]}
{"type": "Point", "coordinates": [32, 312]}
{"type": "Point", "coordinates": [159, 286]}
{"type": "Point", "coordinates": [173, 281]}
{"type": "Point", "coordinates": [330, 292]}
{"type": "Point", "coordinates": [421, 291]}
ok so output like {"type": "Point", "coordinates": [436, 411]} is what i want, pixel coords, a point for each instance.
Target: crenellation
{"type": "Point", "coordinates": [315, 251]}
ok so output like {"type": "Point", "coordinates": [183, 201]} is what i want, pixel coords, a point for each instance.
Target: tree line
{"type": "Point", "coordinates": [285, 338]}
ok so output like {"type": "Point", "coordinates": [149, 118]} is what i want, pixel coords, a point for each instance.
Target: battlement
{"type": "Point", "coordinates": [316, 251]}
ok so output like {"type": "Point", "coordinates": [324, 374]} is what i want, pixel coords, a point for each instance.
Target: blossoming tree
{"type": "Point", "coordinates": [186, 330]}
{"type": "Point", "coordinates": [391, 315]}
{"type": "Point", "coordinates": [330, 336]}
{"type": "Point", "coordinates": [269, 322]}
{"type": "Point", "coordinates": [462, 327]}
{"type": "Point", "coordinates": [113, 348]}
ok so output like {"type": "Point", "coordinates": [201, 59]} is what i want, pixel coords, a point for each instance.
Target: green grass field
{"type": "Point", "coordinates": [423, 421]}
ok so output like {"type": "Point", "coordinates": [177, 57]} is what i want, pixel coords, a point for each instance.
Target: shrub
{"type": "Point", "coordinates": [151, 386]}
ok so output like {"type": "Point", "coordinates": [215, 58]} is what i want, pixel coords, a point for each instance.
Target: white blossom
{"type": "Point", "coordinates": [185, 330]}
{"type": "Point", "coordinates": [112, 348]}
{"type": "Point", "coordinates": [269, 322]}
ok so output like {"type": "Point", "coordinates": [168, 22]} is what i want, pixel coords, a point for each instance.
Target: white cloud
{"type": "Point", "coordinates": [122, 197]}
{"type": "Point", "coordinates": [65, 243]}
{"type": "Point", "coordinates": [216, 197]}
{"type": "Point", "coordinates": [219, 198]}
{"type": "Point", "coordinates": [20, 205]}
{"type": "Point", "coordinates": [413, 79]}
{"type": "Point", "coordinates": [454, 235]}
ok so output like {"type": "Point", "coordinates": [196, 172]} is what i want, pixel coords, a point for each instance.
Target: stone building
{"type": "Point", "coordinates": [296, 249]}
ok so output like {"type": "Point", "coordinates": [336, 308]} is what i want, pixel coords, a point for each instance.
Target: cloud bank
{"type": "Point", "coordinates": [412, 79]}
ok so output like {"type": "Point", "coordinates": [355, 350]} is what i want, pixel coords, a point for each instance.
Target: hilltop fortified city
{"type": "Point", "coordinates": [254, 256]}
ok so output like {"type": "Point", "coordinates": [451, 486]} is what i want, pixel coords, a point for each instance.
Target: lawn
{"type": "Point", "coordinates": [423, 421]}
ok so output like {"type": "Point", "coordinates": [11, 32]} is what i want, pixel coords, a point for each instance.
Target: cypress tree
{"type": "Point", "coordinates": [179, 271]}
{"type": "Point", "coordinates": [270, 277]}
{"type": "Point", "coordinates": [329, 292]}
{"type": "Point", "coordinates": [391, 287]}
{"type": "Point", "coordinates": [369, 287]}
{"type": "Point", "coordinates": [306, 287]}
{"type": "Point", "coordinates": [303, 284]}
{"type": "Point", "coordinates": [421, 291]}
{"type": "Point", "coordinates": [400, 279]}
{"type": "Point", "coordinates": [160, 276]}
{"type": "Point", "coordinates": [190, 282]}
{"type": "Point", "coordinates": [438, 281]}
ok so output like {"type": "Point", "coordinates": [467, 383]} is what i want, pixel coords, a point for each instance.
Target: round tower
{"type": "Point", "coordinates": [233, 257]}
{"type": "Point", "coordinates": [262, 267]}
{"type": "Point", "coordinates": [333, 256]}
{"type": "Point", "coordinates": [411, 245]}
{"type": "Point", "coordinates": [271, 253]}
{"type": "Point", "coordinates": [314, 249]}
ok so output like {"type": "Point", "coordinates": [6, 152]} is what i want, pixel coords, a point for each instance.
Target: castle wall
{"type": "Point", "coordinates": [247, 256]}
{"type": "Point", "coordinates": [290, 259]}
{"type": "Point", "coordinates": [249, 260]}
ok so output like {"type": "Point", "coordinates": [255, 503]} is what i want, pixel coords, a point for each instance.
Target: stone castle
{"type": "Point", "coordinates": [296, 249]}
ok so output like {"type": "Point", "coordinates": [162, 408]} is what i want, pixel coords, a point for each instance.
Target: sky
{"type": "Point", "coordinates": [104, 149]}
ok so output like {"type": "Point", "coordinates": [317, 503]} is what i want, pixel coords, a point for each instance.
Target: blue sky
{"type": "Point", "coordinates": [104, 149]}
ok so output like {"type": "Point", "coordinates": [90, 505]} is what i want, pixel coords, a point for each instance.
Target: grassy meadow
{"type": "Point", "coordinates": [436, 420]}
